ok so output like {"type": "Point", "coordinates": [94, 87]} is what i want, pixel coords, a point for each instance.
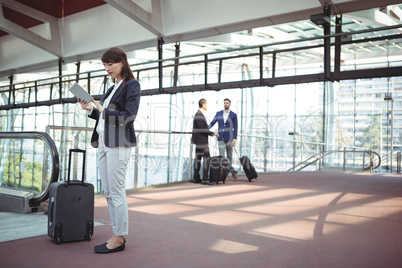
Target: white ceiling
{"type": "Point", "coordinates": [136, 24]}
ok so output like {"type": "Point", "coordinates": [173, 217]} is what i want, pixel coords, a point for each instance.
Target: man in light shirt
{"type": "Point", "coordinates": [227, 129]}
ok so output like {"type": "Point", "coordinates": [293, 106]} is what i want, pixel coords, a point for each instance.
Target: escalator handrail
{"type": "Point", "coordinates": [36, 200]}
{"type": "Point", "coordinates": [320, 155]}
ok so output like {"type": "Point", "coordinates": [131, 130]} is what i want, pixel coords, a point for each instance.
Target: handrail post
{"type": "Point", "coordinates": [190, 161]}
{"type": "Point", "coordinates": [322, 150]}
{"type": "Point", "coordinates": [274, 155]}
{"type": "Point", "coordinates": [371, 162]}
{"type": "Point", "coordinates": [261, 57]}
{"type": "Point", "coordinates": [294, 155]}
{"type": "Point", "coordinates": [319, 154]}
{"type": "Point", "coordinates": [160, 62]}
{"type": "Point", "coordinates": [265, 155]}
{"type": "Point", "coordinates": [364, 159]}
{"type": "Point", "coordinates": [344, 159]}
{"type": "Point", "coordinates": [206, 71]}
{"type": "Point", "coordinates": [176, 65]}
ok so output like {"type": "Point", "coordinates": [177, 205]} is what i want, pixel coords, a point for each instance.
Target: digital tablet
{"type": "Point", "coordinates": [80, 93]}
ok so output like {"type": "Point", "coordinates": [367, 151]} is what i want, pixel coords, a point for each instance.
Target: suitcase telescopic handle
{"type": "Point", "coordinates": [51, 208]}
{"type": "Point", "coordinates": [69, 162]}
{"type": "Point", "coordinates": [234, 149]}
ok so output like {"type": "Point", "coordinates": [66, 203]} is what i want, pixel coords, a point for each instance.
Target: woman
{"type": "Point", "coordinates": [113, 135]}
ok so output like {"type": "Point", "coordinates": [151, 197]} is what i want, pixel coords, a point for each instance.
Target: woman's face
{"type": "Point", "coordinates": [114, 69]}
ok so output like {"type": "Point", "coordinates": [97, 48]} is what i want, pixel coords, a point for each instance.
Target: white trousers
{"type": "Point", "coordinates": [113, 164]}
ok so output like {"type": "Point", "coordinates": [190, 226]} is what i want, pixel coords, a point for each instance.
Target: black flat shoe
{"type": "Point", "coordinates": [102, 249]}
{"type": "Point", "coordinates": [104, 244]}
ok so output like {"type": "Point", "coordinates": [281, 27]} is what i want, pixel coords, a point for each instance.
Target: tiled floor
{"type": "Point", "coordinates": [279, 220]}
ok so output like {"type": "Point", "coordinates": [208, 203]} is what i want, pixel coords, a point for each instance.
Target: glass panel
{"type": "Point", "coordinates": [25, 164]}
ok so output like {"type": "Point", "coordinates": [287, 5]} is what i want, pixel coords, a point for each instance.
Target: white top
{"type": "Point", "coordinates": [225, 116]}
{"type": "Point", "coordinates": [101, 123]}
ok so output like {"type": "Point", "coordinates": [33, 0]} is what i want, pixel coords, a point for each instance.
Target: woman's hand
{"type": "Point", "coordinates": [98, 106]}
{"type": "Point", "coordinates": [85, 105]}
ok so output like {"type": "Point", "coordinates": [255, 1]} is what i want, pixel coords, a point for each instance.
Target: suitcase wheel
{"type": "Point", "coordinates": [88, 237]}
{"type": "Point", "coordinates": [90, 230]}
{"type": "Point", "coordinates": [252, 179]}
{"type": "Point", "coordinates": [57, 234]}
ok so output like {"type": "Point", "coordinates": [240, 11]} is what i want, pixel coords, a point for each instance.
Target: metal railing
{"type": "Point", "coordinates": [396, 158]}
{"type": "Point", "coordinates": [160, 156]}
{"type": "Point", "coordinates": [286, 155]}
{"type": "Point", "coordinates": [54, 90]}
{"type": "Point", "coordinates": [319, 156]}
{"type": "Point", "coordinates": [167, 156]}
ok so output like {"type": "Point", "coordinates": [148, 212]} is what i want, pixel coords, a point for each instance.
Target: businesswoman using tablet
{"type": "Point", "coordinates": [114, 136]}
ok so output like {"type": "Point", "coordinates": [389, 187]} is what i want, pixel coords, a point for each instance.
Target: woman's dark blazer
{"type": "Point", "coordinates": [119, 116]}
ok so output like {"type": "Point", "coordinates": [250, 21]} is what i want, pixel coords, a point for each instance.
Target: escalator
{"type": "Point", "coordinates": [369, 161]}
{"type": "Point", "coordinates": [29, 163]}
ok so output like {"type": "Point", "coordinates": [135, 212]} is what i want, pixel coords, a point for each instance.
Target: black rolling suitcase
{"type": "Point", "coordinates": [248, 167]}
{"type": "Point", "coordinates": [71, 207]}
{"type": "Point", "coordinates": [218, 169]}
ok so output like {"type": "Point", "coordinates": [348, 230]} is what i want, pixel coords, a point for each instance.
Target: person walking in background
{"type": "Point", "coordinates": [227, 130]}
{"type": "Point", "coordinates": [200, 139]}
{"type": "Point", "coordinates": [114, 136]}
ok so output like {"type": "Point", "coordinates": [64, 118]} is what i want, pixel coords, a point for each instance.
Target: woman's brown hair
{"type": "Point", "coordinates": [115, 55]}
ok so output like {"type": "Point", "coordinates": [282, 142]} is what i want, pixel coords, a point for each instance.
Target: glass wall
{"type": "Point", "coordinates": [270, 118]}
{"type": "Point", "coordinates": [280, 125]}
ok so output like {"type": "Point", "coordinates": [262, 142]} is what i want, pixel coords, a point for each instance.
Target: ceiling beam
{"type": "Point", "coordinates": [356, 5]}
{"type": "Point", "coordinates": [75, 58]}
{"type": "Point", "coordinates": [150, 21]}
{"type": "Point", "coordinates": [53, 46]}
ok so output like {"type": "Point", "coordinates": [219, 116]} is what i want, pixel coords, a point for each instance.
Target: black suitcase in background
{"type": "Point", "coordinates": [218, 169]}
{"type": "Point", "coordinates": [71, 207]}
{"type": "Point", "coordinates": [248, 168]}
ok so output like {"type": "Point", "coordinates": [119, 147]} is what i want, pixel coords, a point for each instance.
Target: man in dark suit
{"type": "Point", "coordinates": [200, 139]}
{"type": "Point", "coordinates": [227, 129]}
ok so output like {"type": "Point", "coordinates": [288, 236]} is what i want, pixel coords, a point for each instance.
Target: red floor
{"type": "Point", "coordinates": [280, 220]}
